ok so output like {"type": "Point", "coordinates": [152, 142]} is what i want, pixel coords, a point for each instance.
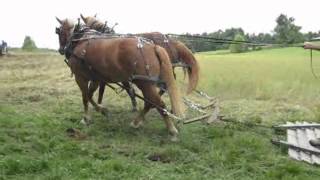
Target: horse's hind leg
{"type": "Point", "coordinates": [92, 88]}
{"type": "Point", "coordinates": [150, 93]}
{"type": "Point", "coordinates": [130, 90]}
{"type": "Point", "coordinates": [83, 85]}
{"type": "Point", "coordinates": [102, 86]}
{"type": "Point", "coordinates": [169, 123]}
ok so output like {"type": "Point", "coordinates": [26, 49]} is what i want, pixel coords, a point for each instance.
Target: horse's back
{"type": "Point", "coordinates": [163, 41]}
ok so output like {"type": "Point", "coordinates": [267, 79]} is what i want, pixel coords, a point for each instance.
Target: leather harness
{"type": "Point", "coordinates": [78, 36]}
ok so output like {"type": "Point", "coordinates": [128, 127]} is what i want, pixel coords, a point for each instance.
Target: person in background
{"type": "Point", "coordinates": [4, 46]}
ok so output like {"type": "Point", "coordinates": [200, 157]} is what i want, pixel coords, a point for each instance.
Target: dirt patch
{"type": "Point", "coordinates": [159, 157]}
{"type": "Point", "coordinates": [34, 98]}
{"type": "Point", "coordinates": [76, 134]}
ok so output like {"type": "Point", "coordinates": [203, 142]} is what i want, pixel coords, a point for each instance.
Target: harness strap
{"type": "Point", "coordinates": [67, 62]}
{"type": "Point", "coordinates": [93, 75]}
{"type": "Point", "coordinates": [92, 25]}
{"type": "Point", "coordinates": [167, 44]}
{"type": "Point", "coordinates": [146, 78]}
{"type": "Point", "coordinates": [140, 46]}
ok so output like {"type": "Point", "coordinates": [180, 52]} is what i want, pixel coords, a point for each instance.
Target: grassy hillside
{"type": "Point", "coordinates": [39, 101]}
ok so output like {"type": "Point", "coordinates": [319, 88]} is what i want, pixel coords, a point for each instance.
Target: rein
{"type": "Point", "coordinates": [311, 65]}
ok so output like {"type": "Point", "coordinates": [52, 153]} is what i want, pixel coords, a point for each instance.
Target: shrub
{"type": "Point", "coordinates": [29, 44]}
{"type": "Point", "coordinates": [238, 48]}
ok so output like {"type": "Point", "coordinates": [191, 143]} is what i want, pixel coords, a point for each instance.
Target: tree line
{"type": "Point", "coordinates": [286, 33]}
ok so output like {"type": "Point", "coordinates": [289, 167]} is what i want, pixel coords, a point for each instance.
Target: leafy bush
{"type": "Point", "coordinates": [29, 44]}
{"type": "Point", "coordinates": [238, 48]}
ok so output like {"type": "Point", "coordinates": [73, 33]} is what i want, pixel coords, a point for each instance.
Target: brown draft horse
{"type": "Point", "coordinates": [115, 60]}
{"type": "Point", "coordinates": [177, 51]}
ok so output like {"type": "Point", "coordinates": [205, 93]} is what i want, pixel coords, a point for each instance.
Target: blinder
{"type": "Point", "coordinates": [58, 30]}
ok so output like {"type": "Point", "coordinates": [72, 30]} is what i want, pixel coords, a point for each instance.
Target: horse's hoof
{"type": "Point", "coordinates": [86, 121]}
{"type": "Point", "coordinates": [136, 125]}
{"type": "Point", "coordinates": [104, 111]}
{"type": "Point", "coordinates": [174, 138]}
{"type": "Point", "coordinates": [83, 121]}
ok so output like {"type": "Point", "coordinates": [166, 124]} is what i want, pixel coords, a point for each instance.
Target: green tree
{"type": "Point", "coordinates": [29, 44]}
{"type": "Point", "coordinates": [286, 32]}
{"type": "Point", "coordinates": [238, 48]}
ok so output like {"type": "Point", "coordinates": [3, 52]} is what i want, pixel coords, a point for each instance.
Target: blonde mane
{"type": "Point", "coordinates": [93, 22]}
{"type": "Point", "coordinates": [69, 25]}
{"type": "Point", "coordinates": [69, 22]}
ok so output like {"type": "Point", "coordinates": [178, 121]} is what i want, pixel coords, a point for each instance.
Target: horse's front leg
{"type": "Point", "coordinates": [98, 107]}
{"type": "Point", "coordinates": [83, 85]}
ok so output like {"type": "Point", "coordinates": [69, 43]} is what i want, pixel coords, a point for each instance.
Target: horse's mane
{"type": "Point", "coordinates": [69, 22]}
{"type": "Point", "coordinates": [94, 22]}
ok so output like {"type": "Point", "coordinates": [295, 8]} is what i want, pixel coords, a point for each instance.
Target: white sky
{"type": "Point", "coordinates": [37, 17]}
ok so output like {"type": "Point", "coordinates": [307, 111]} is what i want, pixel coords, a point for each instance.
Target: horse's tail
{"type": "Point", "coordinates": [166, 74]}
{"type": "Point", "coordinates": [188, 58]}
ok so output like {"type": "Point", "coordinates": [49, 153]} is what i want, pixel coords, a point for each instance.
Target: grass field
{"type": "Point", "coordinates": [39, 101]}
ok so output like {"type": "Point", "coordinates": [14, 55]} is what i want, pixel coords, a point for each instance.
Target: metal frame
{"type": "Point", "coordinates": [209, 112]}
{"type": "Point", "coordinates": [300, 138]}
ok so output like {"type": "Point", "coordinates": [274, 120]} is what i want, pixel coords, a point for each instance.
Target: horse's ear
{"type": "Point", "coordinates": [59, 20]}
{"type": "Point", "coordinates": [83, 18]}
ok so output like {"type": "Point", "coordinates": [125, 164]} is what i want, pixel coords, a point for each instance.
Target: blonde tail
{"type": "Point", "coordinates": [166, 74]}
{"type": "Point", "coordinates": [187, 57]}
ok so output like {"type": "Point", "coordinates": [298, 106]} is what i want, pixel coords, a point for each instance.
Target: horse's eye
{"type": "Point", "coordinates": [57, 30]}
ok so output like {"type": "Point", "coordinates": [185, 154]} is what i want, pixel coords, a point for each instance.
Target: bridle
{"type": "Point", "coordinates": [60, 32]}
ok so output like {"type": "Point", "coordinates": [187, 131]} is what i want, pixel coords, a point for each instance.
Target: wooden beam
{"type": "Point", "coordinates": [279, 142]}
{"type": "Point", "coordinates": [196, 119]}
{"type": "Point", "coordinates": [309, 45]}
{"type": "Point", "coordinates": [209, 105]}
{"type": "Point", "coordinates": [295, 126]}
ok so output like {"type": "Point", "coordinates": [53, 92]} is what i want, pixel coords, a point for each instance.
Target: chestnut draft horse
{"type": "Point", "coordinates": [114, 60]}
{"type": "Point", "coordinates": [179, 53]}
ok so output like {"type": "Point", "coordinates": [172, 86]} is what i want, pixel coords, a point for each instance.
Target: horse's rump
{"type": "Point", "coordinates": [163, 41]}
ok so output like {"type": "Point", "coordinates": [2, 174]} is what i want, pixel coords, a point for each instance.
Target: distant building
{"type": "Point", "coordinates": [315, 39]}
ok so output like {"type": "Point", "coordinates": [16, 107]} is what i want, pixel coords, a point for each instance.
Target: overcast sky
{"type": "Point", "coordinates": [37, 17]}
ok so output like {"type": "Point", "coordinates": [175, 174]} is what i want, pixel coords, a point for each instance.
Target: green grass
{"type": "Point", "coordinates": [276, 84]}
{"type": "Point", "coordinates": [39, 102]}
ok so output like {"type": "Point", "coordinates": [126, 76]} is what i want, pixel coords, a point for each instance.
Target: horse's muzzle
{"type": "Point", "coordinates": [61, 51]}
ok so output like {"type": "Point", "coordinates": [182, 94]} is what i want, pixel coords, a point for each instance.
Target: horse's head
{"type": "Point", "coordinates": [64, 32]}
{"type": "Point", "coordinates": [91, 21]}
{"type": "Point", "coordinates": [94, 23]}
